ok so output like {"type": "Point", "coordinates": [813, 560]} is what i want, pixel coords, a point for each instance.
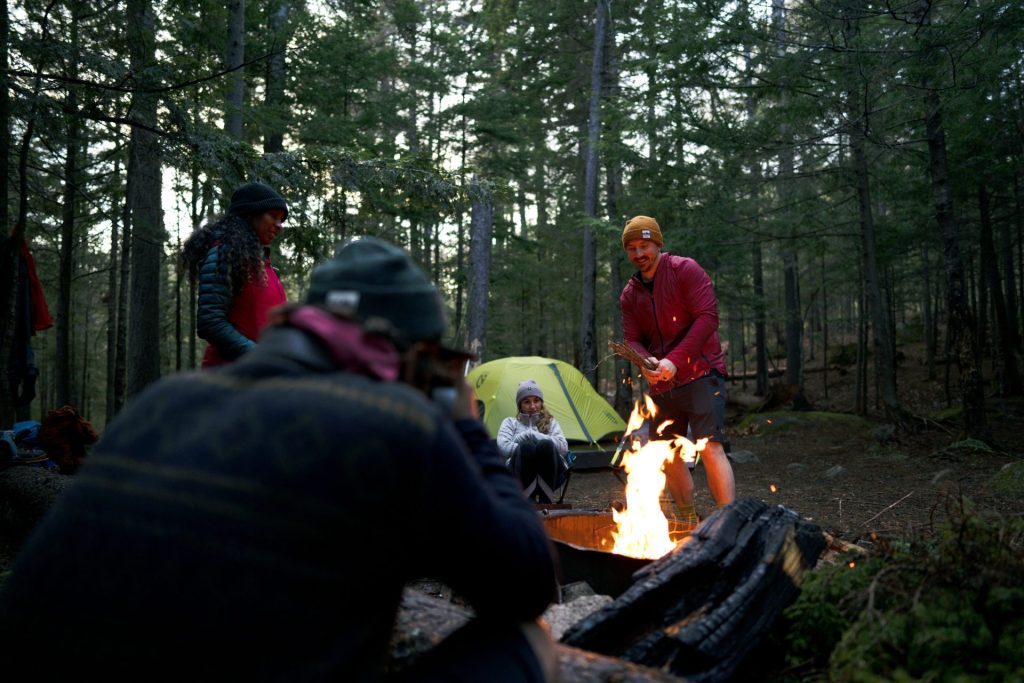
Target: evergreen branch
{"type": "Point", "coordinates": [94, 115]}
{"type": "Point", "coordinates": [60, 78]}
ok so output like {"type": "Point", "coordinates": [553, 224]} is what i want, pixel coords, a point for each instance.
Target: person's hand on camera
{"type": "Point", "coordinates": [464, 406]}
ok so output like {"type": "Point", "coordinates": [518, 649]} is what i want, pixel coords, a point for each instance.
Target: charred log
{"type": "Point", "coordinates": [424, 621]}
{"type": "Point", "coordinates": [698, 611]}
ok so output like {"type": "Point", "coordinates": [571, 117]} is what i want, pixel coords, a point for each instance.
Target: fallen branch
{"type": "Point", "coordinates": [888, 508]}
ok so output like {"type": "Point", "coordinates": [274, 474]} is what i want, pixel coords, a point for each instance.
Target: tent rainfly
{"type": "Point", "coordinates": [582, 413]}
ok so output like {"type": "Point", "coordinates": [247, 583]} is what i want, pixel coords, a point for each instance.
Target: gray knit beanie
{"type": "Point", "coordinates": [370, 278]}
{"type": "Point", "coordinates": [528, 388]}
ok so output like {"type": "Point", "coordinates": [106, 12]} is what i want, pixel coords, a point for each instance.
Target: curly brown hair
{"type": "Point", "coordinates": [544, 423]}
{"type": "Point", "coordinates": [240, 250]}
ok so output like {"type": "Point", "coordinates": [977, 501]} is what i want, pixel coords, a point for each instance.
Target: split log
{"type": "Point", "coordinates": [746, 401]}
{"type": "Point", "coordinates": [700, 610]}
{"type": "Point", "coordinates": [26, 493]}
{"type": "Point", "coordinates": [424, 621]}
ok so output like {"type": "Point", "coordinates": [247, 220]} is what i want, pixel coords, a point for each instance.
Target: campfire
{"type": "Point", "coordinates": [605, 548]}
{"type": "Point", "coordinates": [641, 528]}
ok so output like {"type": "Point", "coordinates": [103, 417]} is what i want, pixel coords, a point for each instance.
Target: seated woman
{"type": "Point", "coordinates": [533, 445]}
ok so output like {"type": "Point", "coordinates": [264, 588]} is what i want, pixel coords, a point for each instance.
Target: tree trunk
{"type": "Point", "coordinates": [178, 273]}
{"type": "Point", "coordinates": [588, 317]}
{"type": "Point", "coordinates": [623, 398]}
{"type": "Point", "coordinates": [824, 330]}
{"type": "Point", "coordinates": [112, 298]}
{"type": "Point", "coordinates": [9, 247]}
{"type": "Point", "coordinates": [926, 308]}
{"type": "Point", "coordinates": [481, 224]}
{"type": "Point", "coordinates": [235, 58]}
{"type": "Point", "coordinates": [121, 356]}
{"type": "Point", "coordinates": [1010, 289]}
{"type": "Point", "coordinates": [761, 386]}
{"type": "Point", "coordinates": [541, 193]}
{"type": "Point", "coordinates": [5, 127]}
{"type": "Point", "coordinates": [1010, 380]}
{"type": "Point", "coordinates": [1019, 214]}
{"type": "Point", "coordinates": [147, 229]}
{"type": "Point", "coordinates": [961, 322]}
{"type": "Point", "coordinates": [861, 385]}
{"type": "Point", "coordinates": [653, 16]}
{"type": "Point", "coordinates": [273, 141]}
{"type": "Point", "coordinates": [791, 272]}
{"type": "Point", "coordinates": [67, 234]}
{"type": "Point", "coordinates": [879, 300]}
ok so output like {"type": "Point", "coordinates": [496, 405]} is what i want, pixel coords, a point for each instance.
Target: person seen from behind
{"type": "Point", "coordinates": [229, 260]}
{"type": "Point", "coordinates": [533, 445]}
{"type": "Point", "coordinates": [259, 521]}
{"type": "Point", "coordinates": [670, 317]}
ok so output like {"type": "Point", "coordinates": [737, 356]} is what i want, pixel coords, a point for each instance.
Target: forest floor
{"type": "Point", "coordinates": [856, 477]}
{"type": "Point", "coordinates": [842, 472]}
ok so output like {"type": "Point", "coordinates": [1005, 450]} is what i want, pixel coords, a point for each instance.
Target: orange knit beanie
{"type": "Point", "coordinates": [642, 228]}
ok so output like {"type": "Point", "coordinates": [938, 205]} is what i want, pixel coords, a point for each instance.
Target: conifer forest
{"type": "Point", "coordinates": [849, 172]}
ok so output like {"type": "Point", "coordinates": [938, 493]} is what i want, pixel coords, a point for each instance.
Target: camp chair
{"type": "Point", "coordinates": [549, 492]}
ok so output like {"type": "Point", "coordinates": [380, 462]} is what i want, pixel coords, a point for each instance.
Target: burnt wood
{"type": "Point", "coordinates": [698, 611]}
{"type": "Point", "coordinates": [423, 621]}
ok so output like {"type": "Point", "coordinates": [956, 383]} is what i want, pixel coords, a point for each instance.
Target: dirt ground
{"type": "Point", "coordinates": [849, 476]}
{"type": "Point", "coordinates": [854, 477]}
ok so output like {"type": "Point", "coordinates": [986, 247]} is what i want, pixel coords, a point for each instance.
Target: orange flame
{"type": "Point", "coordinates": [642, 530]}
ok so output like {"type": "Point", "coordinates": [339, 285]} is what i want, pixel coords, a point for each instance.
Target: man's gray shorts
{"type": "Point", "coordinates": [697, 409]}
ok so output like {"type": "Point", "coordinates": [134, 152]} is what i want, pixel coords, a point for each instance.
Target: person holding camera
{"type": "Point", "coordinates": [258, 521]}
{"type": "Point", "coordinates": [533, 445]}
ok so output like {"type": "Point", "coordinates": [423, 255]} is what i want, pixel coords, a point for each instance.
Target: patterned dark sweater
{"type": "Point", "coordinates": [258, 522]}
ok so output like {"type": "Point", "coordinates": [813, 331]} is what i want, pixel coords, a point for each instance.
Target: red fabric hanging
{"type": "Point", "coordinates": [41, 319]}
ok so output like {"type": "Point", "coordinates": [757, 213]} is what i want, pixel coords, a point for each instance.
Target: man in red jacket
{"type": "Point", "coordinates": [670, 316]}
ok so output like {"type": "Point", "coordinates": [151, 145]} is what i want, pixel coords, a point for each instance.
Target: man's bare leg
{"type": "Point", "coordinates": [680, 485]}
{"type": "Point", "coordinates": [719, 470]}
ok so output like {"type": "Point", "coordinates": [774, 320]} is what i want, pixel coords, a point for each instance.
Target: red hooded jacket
{"type": "Point", "coordinates": [679, 321]}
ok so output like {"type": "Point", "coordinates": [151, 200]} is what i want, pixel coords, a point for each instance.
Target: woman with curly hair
{"type": "Point", "coordinates": [533, 445]}
{"type": "Point", "coordinates": [230, 259]}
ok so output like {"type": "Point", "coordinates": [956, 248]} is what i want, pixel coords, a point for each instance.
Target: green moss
{"type": "Point", "coordinates": [943, 610]}
{"type": "Point", "coordinates": [951, 414]}
{"type": "Point", "coordinates": [964, 448]}
{"type": "Point", "coordinates": [760, 423]}
{"type": "Point", "coordinates": [1009, 481]}
{"type": "Point", "coordinates": [886, 453]}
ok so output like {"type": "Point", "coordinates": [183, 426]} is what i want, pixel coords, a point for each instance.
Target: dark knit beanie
{"type": "Point", "coordinates": [370, 278]}
{"type": "Point", "coordinates": [642, 228]}
{"type": "Point", "coordinates": [528, 388]}
{"type": "Point", "coordinates": [254, 198]}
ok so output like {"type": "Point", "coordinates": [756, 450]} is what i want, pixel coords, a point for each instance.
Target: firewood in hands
{"type": "Point", "coordinates": [629, 353]}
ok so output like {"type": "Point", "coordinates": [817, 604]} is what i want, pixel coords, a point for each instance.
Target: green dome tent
{"type": "Point", "coordinates": [582, 413]}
